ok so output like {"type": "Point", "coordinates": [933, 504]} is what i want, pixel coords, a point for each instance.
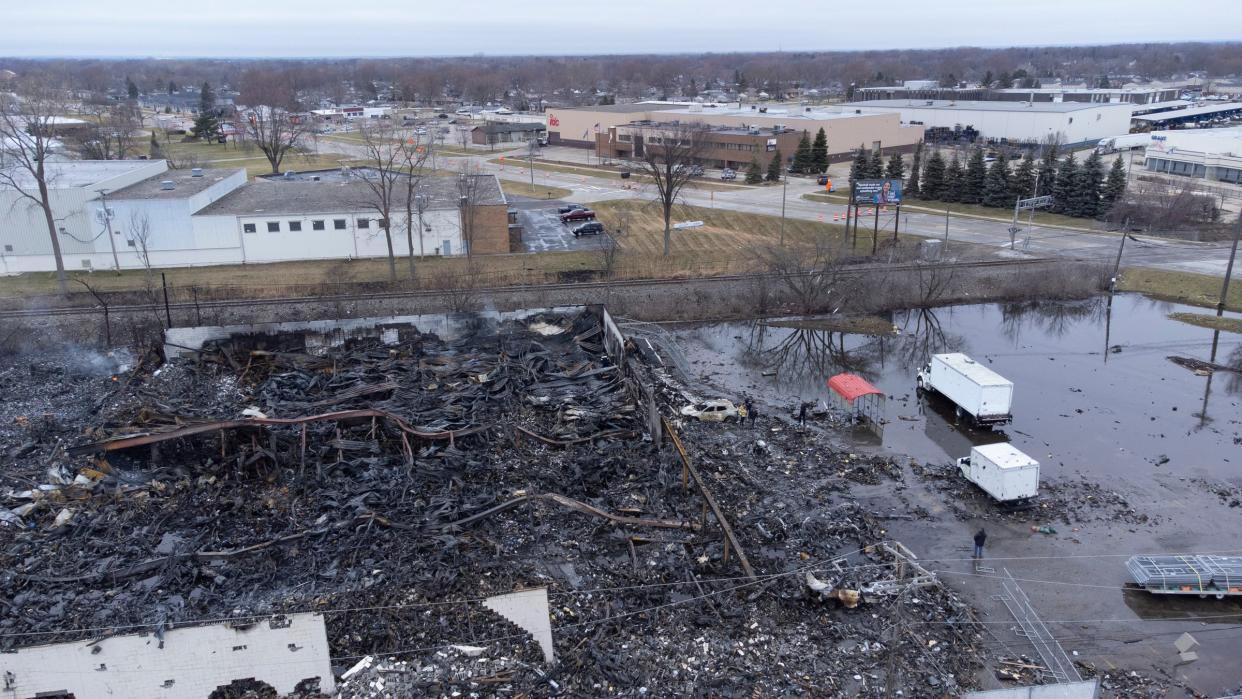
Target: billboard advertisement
{"type": "Point", "coordinates": [880, 192]}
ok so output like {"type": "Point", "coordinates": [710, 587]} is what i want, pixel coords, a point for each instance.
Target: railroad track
{"type": "Point", "coordinates": [388, 295]}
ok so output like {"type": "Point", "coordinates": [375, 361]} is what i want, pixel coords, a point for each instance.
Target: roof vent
{"type": "Point", "coordinates": [196, 172]}
{"type": "Point", "coordinates": [167, 185]}
{"type": "Point", "coordinates": [314, 178]}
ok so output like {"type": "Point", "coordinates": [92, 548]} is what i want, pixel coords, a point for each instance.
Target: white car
{"type": "Point", "coordinates": [715, 410]}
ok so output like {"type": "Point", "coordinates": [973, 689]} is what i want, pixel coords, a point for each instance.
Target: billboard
{"type": "Point", "coordinates": [877, 192]}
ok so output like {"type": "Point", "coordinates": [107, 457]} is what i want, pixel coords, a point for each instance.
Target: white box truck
{"type": "Point", "coordinates": [1001, 471]}
{"type": "Point", "coordinates": [983, 394]}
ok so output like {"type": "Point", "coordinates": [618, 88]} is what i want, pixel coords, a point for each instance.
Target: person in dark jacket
{"type": "Point", "coordinates": [981, 538]}
{"type": "Point", "coordinates": [802, 414]}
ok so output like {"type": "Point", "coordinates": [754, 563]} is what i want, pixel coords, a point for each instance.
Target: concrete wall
{"type": "Point", "coordinates": [189, 663]}
{"type": "Point", "coordinates": [1080, 126]}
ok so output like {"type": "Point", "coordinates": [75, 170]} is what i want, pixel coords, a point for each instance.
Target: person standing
{"type": "Point", "coordinates": [981, 538]}
{"type": "Point", "coordinates": [752, 411]}
{"type": "Point", "coordinates": [802, 414]}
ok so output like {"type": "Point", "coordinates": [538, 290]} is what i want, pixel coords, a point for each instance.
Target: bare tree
{"type": "Point", "coordinates": [813, 276]}
{"type": "Point", "coordinates": [669, 156]}
{"type": "Point", "coordinates": [28, 119]}
{"type": "Point", "coordinates": [272, 121]}
{"type": "Point", "coordinates": [414, 156]}
{"type": "Point", "coordinates": [469, 193]}
{"type": "Point", "coordinates": [384, 155]}
{"type": "Point", "coordinates": [112, 133]}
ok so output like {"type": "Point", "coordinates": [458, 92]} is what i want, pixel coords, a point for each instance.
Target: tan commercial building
{"type": "Point", "coordinates": [723, 146]}
{"type": "Point", "coordinates": [845, 129]}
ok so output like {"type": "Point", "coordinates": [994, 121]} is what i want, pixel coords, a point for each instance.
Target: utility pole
{"type": "Point", "coordinates": [875, 235]}
{"type": "Point", "coordinates": [116, 262]}
{"type": "Point", "coordinates": [1233, 252]}
{"type": "Point", "coordinates": [1112, 284]}
{"type": "Point", "coordinates": [784, 189]}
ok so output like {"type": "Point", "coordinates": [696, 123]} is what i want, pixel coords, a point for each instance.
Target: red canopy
{"type": "Point", "coordinates": [851, 386]}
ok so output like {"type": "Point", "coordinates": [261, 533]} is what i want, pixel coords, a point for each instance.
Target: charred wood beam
{"type": "Point", "coordinates": [575, 505]}
{"type": "Point", "coordinates": [607, 434]}
{"type": "Point", "coordinates": [220, 426]}
{"type": "Point", "coordinates": [730, 539]}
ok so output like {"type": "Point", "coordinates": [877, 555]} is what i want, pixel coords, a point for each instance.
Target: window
{"type": "Point", "coordinates": [338, 224]}
{"type": "Point", "coordinates": [248, 227]}
{"type": "Point", "coordinates": [273, 226]}
{"type": "Point", "coordinates": [8, 248]}
{"type": "Point", "coordinates": [295, 226]}
{"type": "Point", "coordinates": [383, 223]}
{"type": "Point", "coordinates": [316, 225]}
{"type": "Point", "coordinates": [364, 223]}
{"type": "Point", "coordinates": [625, 138]}
{"type": "Point", "coordinates": [131, 242]}
{"type": "Point", "coordinates": [1071, 120]}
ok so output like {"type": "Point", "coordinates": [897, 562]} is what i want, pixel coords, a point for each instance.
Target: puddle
{"type": "Point", "coordinates": [1094, 392]}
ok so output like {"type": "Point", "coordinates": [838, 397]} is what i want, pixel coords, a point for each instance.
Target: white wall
{"type": "Point", "coordinates": [190, 662]}
{"type": "Point", "coordinates": [331, 243]}
{"type": "Point", "coordinates": [1033, 124]}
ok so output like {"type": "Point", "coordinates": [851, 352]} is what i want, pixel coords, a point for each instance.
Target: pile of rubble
{"type": "Point", "coordinates": [393, 483]}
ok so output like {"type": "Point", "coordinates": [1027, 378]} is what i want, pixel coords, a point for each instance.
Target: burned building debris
{"type": "Point", "coordinates": [393, 483]}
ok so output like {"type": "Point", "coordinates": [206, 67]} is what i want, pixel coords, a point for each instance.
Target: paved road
{"type": "Point", "coordinates": [1204, 258]}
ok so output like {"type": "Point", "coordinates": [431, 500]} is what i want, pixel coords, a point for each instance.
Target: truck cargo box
{"type": "Point", "coordinates": [980, 392]}
{"type": "Point", "coordinates": [1001, 471]}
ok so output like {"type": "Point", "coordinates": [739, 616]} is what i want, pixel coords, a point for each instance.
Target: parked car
{"type": "Point", "coordinates": [569, 207]}
{"type": "Point", "coordinates": [542, 141]}
{"type": "Point", "coordinates": [728, 174]}
{"type": "Point", "coordinates": [715, 410]}
{"type": "Point", "coordinates": [695, 170]}
{"type": "Point", "coordinates": [591, 228]}
{"type": "Point", "coordinates": [578, 215]}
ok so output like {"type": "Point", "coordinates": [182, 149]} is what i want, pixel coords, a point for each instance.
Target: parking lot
{"type": "Point", "coordinates": [542, 230]}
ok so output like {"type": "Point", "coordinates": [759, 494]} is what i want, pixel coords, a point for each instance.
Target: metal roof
{"type": "Point", "coordinates": [852, 386]}
{"type": "Point", "coordinates": [986, 106]}
{"type": "Point", "coordinates": [184, 182]}
{"type": "Point", "coordinates": [1005, 455]}
{"type": "Point", "coordinates": [973, 370]}
{"type": "Point", "coordinates": [1088, 689]}
{"type": "Point", "coordinates": [64, 174]}
{"type": "Point", "coordinates": [280, 196]}
{"type": "Point", "coordinates": [1192, 112]}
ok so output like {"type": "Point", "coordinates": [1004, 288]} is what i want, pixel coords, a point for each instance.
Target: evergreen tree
{"type": "Point", "coordinates": [1087, 191]}
{"type": "Point", "coordinates": [975, 178]}
{"type": "Point", "coordinates": [896, 168]}
{"type": "Point", "coordinates": [819, 152]}
{"type": "Point", "coordinates": [156, 153]}
{"type": "Point", "coordinates": [954, 181]}
{"type": "Point", "coordinates": [802, 156]}
{"type": "Point", "coordinates": [987, 79]}
{"type": "Point", "coordinates": [933, 185]}
{"type": "Point", "coordinates": [693, 89]}
{"type": "Point", "coordinates": [916, 162]}
{"type": "Point", "coordinates": [1114, 186]}
{"type": "Point", "coordinates": [875, 165]}
{"type": "Point", "coordinates": [1004, 81]}
{"type": "Point", "coordinates": [172, 87]}
{"type": "Point", "coordinates": [858, 168]}
{"type": "Point", "coordinates": [1048, 169]}
{"type": "Point", "coordinates": [1064, 186]}
{"type": "Point", "coordinates": [1022, 180]}
{"type": "Point", "coordinates": [754, 174]}
{"type": "Point", "coordinates": [996, 184]}
{"type": "Point", "coordinates": [130, 88]}
{"type": "Point", "coordinates": [206, 124]}
{"type": "Point", "coordinates": [739, 80]}
{"type": "Point", "coordinates": [774, 167]}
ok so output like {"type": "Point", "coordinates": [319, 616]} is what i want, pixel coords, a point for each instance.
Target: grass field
{"type": "Point", "coordinates": [229, 155]}
{"type": "Point", "coordinates": [727, 240]}
{"type": "Point", "coordinates": [524, 189]}
{"type": "Point", "coordinates": [935, 207]}
{"type": "Point", "coordinates": [1185, 287]}
{"type": "Point", "coordinates": [584, 170]}
{"type": "Point", "coordinates": [1232, 325]}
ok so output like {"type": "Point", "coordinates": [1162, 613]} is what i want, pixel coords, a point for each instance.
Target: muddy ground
{"type": "Point", "coordinates": [393, 524]}
{"type": "Point", "coordinates": [1139, 455]}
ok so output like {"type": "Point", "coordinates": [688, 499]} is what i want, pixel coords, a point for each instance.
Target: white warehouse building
{"type": "Point", "coordinates": [1211, 154]}
{"type": "Point", "coordinates": [131, 214]}
{"type": "Point", "coordinates": [1021, 122]}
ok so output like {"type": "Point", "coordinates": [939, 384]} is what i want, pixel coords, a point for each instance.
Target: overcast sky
{"type": "Point", "coordinates": [464, 27]}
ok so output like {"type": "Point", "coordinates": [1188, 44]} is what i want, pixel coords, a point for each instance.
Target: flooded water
{"type": "Point", "coordinates": [1094, 391]}
{"type": "Point", "coordinates": [1098, 403]}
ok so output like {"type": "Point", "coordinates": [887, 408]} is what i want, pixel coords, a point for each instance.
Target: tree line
{"type": "Point", "coordinates": [1083, 190]}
